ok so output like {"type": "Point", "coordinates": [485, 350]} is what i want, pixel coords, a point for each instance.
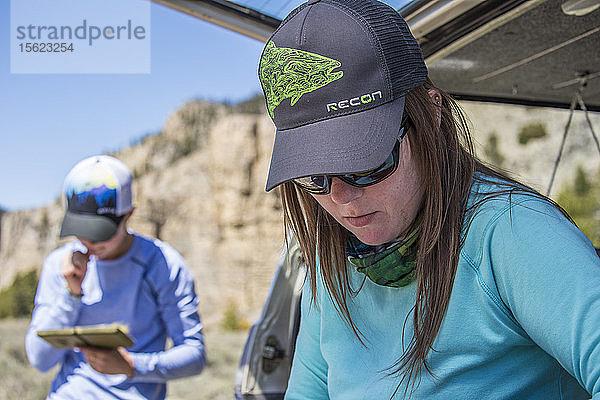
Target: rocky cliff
{"type": "Point", "coordinates": [199, 185]}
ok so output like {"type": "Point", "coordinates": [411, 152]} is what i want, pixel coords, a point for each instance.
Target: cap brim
{"type": "Point", "coordinates": [349, 143]}
{"type": "Point", "coordinates": [88, 226]}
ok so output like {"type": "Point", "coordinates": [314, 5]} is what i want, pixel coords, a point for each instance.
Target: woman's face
{"type": "Point", "coordinates": [379, 213]}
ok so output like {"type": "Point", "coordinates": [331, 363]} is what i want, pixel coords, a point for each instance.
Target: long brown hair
{"type": "Point", "coordinates": [445, 159]}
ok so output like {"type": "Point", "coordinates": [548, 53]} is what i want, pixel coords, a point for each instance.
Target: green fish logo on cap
{"type": "Point", "coordinates": [290, 73]}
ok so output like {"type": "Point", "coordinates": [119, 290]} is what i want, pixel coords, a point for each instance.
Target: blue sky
{"type": "Point", "coordinates": [48, 122]}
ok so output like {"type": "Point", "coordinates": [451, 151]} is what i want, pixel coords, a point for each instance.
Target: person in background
{"type": "Point", "coordinates": [112, 275]}
{"type": "Point", "coordinates": [429, 274]}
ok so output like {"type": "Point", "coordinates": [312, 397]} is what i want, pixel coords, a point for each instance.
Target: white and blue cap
{"type": "Point", "coordinates": [335, 74]}
{"type": "Point", "coordinates": [98, 194]}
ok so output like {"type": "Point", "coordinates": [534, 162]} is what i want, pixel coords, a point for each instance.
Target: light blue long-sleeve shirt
{"type": "Point", "coordinates": [523, 321]}
{"type": "Point", "coordinates": [151, 291]}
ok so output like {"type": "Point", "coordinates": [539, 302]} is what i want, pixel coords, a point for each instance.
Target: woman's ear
{"type": "Point", "coordinates": [436, 99]}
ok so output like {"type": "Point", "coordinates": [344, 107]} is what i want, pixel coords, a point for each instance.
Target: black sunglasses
{"type": "Point", "coordinates": [321, 184]}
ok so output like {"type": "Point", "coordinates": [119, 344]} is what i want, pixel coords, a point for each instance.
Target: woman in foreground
{"type": "Point", "coordinates": [429, 275]}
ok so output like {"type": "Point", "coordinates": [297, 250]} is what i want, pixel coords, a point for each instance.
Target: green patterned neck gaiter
{"type": "Point", "coordinates": [392, 264]}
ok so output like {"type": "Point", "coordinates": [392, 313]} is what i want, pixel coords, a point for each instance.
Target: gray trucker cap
{"type": "Point", "coordinates": [335, 75]}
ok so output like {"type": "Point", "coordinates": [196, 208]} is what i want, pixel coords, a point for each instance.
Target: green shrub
{"type": "Point", "coordinates": [253, 105]}
{"type": "Point", "coordinates": [17, 299]}
{"type": "Point", "coordinates": [44, 222]}
{"type": "Point", "coordinates": [44, 229]}
{"type": "Point", "coordinates": [185, 147]}
{"type": "Point", "coordinates": [581, 185]}
{"type": "Point", "coordinates": [491, 150]}
{"type": "Point", "coordinates": [581, 199]}
{"type": "Point", "coordinates": [231, 320]}
{"type": "Point", "coordinates": [18, 379]}
{"type": "Point", "coordinates": [532, 131]}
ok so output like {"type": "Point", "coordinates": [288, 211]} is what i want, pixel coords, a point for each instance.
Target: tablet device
{"type": "Point", "coordinates": [106, 336]}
